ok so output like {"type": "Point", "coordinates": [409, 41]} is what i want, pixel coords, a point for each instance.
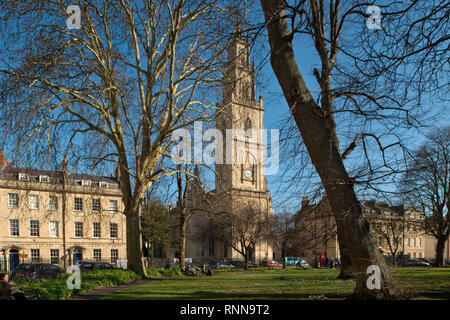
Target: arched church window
{"type": "Point", "coordinates": [248, 127]}
{"type": "Point", "coordinates": [248, 124]}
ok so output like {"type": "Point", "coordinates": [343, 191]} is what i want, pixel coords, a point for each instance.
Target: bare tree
{"type": "Point", "coordinates": [284, 233]}
{"type": "Point", "coordinates": [371, 83]}
{"type": "Point", "coordinates": [426, 185]}
{"type": "Point", "coordinates": [316, 120]}
{"type": "Point", "coordinates": [316, 227]}
{"type": "Point", "coordinates": [112, 91]}
{"type": "Point", "coordinates": [156, 226]}
{"type": "Point", "coordinates": [241, 229]}
{"type": "Point", "coordinates": [390, 230]}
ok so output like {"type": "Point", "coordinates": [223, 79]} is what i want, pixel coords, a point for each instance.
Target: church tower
{"type": "Point", "coordinates": [241, 120]}
{"type": "Point", "coordinates": [240, 183]}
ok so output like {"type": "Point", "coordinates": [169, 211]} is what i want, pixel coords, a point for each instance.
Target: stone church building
{"type": "Point", "coordinates": [240, 182]}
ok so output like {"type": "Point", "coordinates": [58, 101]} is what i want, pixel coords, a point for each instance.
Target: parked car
{"type": "Point", "coordinates": [271, 263]}
{"type": "Point", "coordinates": [424, 260]}
{"type": "Point", "coordinates": [94, 265]}
{"type": "Point", "coordinates": [303, 264]}
{"type": "Point", "coordinates": [223, 265]}
{"type": "Point", "coordinates": [292, 261]}
{"type": "Point", "coordinates": [29, 271]}
{"type": "Point", "coordinates": [240, 264]}
{"type": "Point", "coordinates": [416, 263]}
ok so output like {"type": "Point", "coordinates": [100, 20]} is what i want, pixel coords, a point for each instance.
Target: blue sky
{"type": "Point", "coordinates": [276, 108]}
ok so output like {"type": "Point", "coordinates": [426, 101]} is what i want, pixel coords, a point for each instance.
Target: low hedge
{"type": "Point", "coordinates": [165, 272]}
{"type": "Point", "coordinates": [56, 289]}
{"type": "Point", "coordinates": [248, 270]}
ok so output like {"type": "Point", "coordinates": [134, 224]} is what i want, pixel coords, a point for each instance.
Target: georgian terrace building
{"type": "Point", "coordinates": [392, 227]}
{"type": "Point", "coordinates": [59, 217]}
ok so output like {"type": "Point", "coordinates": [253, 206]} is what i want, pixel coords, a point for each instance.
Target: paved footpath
{"type": "Point", "coordinates": [103, 291]}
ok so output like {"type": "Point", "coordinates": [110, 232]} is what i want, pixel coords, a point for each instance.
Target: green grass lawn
{"type": "Point", "coordinates": [422, 283]}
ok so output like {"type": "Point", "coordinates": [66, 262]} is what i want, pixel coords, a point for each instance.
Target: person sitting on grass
{"type": "Point", "coordinates": [5, 286]}
{"type": "Point", "coordinates": [6, 289]}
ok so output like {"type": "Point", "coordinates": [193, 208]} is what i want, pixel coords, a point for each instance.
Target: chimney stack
{"type": "Point", "coordinates": [3, 162]}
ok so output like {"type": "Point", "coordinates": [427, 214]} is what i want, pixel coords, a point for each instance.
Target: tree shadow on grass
{"type": "Point", "coordinates": [433, 295]}
{"type": "Point", "coordinates": [212, 295]}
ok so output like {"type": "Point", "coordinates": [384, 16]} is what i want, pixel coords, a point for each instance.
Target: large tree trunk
{"type": "Point", "coordinates": [317, 136]}
{"type": "Point", "coordinates": [346, 271]}
{"type": "Point", "coordinates": [246, 259]}
{"type": "Point", "coordinates": [149, 260]}
{"type": "Point", "coordinates": [440, 247]}
{"type": "Point", "coordinates": [152, 255]}
{"type": "Point", "coordinates": [182, 243]}
{"type": "Point", "coordinates": [134, 241]}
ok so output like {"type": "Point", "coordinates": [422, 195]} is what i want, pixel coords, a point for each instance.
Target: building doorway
{"type": "Point", "coordinates": [13, 259]}
{"type": "Point", "coordinates": [77, 256]}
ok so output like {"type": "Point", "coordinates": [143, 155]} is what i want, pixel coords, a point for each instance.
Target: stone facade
{"type": "Point", "coordinates": [59, 217]}
{"type": "Point", "coordinates": [398, 228]}
{"type": "Point", "coordinates": [430, 248]}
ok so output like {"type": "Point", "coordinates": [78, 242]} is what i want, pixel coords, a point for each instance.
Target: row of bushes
{"type": "Point", "coordinates": [165, 272]}
{"type": "Point", "coordinates": [56, 289]}
{"type": "Point", "coordinates": [248, 270]}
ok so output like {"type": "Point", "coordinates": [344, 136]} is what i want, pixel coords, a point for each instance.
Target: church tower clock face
{"type": "Point", "coordinates": [248, 174]}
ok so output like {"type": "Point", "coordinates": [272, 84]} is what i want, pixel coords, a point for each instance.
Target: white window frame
{"type": "Point", "coordinates": [116, 256]}
{"type": "Point", "coordinates": [86, 183]}
{"type": "Point", "coordinates": [13, 200]}
{"type": "Point", "coordinates": [94, 209]}
{"type": "Point", "coordinates": [53, 231]}
{"type": "Point", "coordinates": [32, 257]}
{"type": "Point", "coordinates": [30, 202]}
{"type": "Point", "coordinates": [97, 254]}
{"type": "Point", "coordinates": [23, 177]}
{"type": "Point", "coordinates": [34, 228]}
{"type": "Point", "coordinates": [16, 226]}
{"type": "Point", "coordinates": [44, 178]}
{"type": "Point", "coordinates": [78, 223]}
{"type": "Point", "coordinates": [94, 229]}
{"type": "Point", "coordinates": [114, 208]}
{"type": "Point", "coordinates": [52, 257]}
{"type": "Point", "coordinates": [75, 204]}
{"type": "Point", "coordinates": [103, 184]}
{"type": "Point", "coordinates": [116, 230]}
{"type": "Point", "coordinates": [50, 203]}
